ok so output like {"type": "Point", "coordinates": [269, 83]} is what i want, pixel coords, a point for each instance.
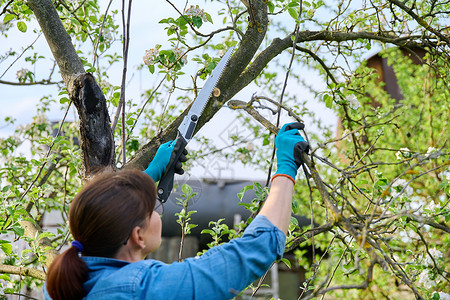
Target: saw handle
{"type": "Point", "coordinates": [165, 185]}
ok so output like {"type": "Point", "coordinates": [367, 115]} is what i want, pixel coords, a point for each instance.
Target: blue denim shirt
{"type": "Point", "coordinates": [220, 273]}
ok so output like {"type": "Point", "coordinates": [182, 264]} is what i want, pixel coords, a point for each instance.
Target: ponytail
{"type": "Point", "coordinates": [66, 275]}
{"type": "Point", "coordinates": [101, 217]}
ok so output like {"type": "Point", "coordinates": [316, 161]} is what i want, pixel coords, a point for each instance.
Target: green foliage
{"type": "Point", "coordinates": [184, 216]}
{"type": "Point", "coordinates": [391, 166]}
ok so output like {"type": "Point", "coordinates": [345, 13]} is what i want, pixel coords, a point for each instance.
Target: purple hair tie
{"type": "Point", "coordinates": [78, 245]}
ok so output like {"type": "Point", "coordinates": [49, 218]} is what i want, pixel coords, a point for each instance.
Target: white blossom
{"type": "Point", "coordinates": [178, 53]}
{"type": "Point", "coordinates": [21, 74]}
{"type": "Point", "coordinates": [195, 11]}
{"type": "Point", "coordinates": [40, 119]}
{"type": "Point", "coordinates": [433, 206]}
{"type": "Point", "coordinates": [399, 154]}
{"type": "Point", "coordinates": [431, 149]}
{"type": "Point", "coordinates": [442, 295]}
{"type": "Point", "coordinates": [250, 146]}
{"type": "Point", "coordinates": [353, 102]}
{"type": "Point", "coordinates": [2, 256]}
{"type": "Point", "coordinates": [435, 253]}
{"type": "Point", "coordinates": [408, 236]}
{"type": "Point", "coordinates": [107, 34]}
{"type": "Point", "coordinates": [402, 185]}
{"type": "Point", "coordinates": [347, 135]}
{"type": "Point", "coordinates": [446, 174]}
{"type": "Point", "coordinates": [425, 280]}
{"type": "Point", "coordinates": [151, 56]}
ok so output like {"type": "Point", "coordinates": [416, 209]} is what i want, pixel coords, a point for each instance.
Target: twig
{"type": "Point", "coordinates": [41, 82]}
{"type": "Point", "coordinates": [100, 33]}
{"type": "Point", "coordinates": [24, 50]}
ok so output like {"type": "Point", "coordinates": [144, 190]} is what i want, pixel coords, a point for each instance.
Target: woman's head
{"type": "Point", "coordinates": [102, 217]}
{"type": "Point", "coordinates": [104, 213]}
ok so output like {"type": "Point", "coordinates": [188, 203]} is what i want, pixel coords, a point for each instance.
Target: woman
{"type": "Point", "coordinates": [115, 224]}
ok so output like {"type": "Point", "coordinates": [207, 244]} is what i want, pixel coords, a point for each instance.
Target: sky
{"type": "Point", "coordinates": [20, 102]}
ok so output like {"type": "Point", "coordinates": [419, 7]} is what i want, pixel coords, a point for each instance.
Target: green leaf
{"type": "Point", "coordinates": [18, 230]}
{"type": "Point", "coordinates": [45, 235]}
{"type": "Point", "coordinates": [5, 277]}
{"type": "Point", "coordinates": [208, 231]}
{"type": "Point", "coordinates": [186, 189]}
{"type": "Point", "coordinates": [22, 26]}
{"type": "Point", "coordinates": [197, 21]}
{"type": "Point", "coordinates": [8, 17]}
{"type": "Point", "coordinates": [64, 100]}
{"type": "Point", "coordinates": [208, 18]}
{"type": "Point", "coordinates": [242, 192]}
{"type": "Point", "coordinates": [271, 6]}
{"type": "Point", "coordinates": [286, 262]}
{"type": "Point", "coordinates": [151, 68]}
{"type": "Point", "coordinates": [211, 66]}
{"type": "Point", "coordinates": [328, 100]}
{"type": "Point", "coordinates": [293, 12]}
{"type": "Point", "coordinates": [7, 248]}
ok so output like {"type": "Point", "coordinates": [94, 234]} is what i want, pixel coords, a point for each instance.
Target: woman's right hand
{"type": "Point", "coordinates": [158, 165]}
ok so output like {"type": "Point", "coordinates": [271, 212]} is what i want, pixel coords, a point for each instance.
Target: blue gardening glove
{"type": "Point", "coordinates": [159, 163]}
{"type": "Point", "coordinates": [290, 145]}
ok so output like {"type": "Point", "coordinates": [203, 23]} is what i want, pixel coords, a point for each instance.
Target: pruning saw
{"type": "Point", "coordinates": [187, 127]}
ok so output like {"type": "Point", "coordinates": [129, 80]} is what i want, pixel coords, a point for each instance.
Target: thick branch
{"type": "Point", "coordinates": [7, 269]}
{"type": "Point", "coordinates": [59, 41]}
{"type": "Point", "coordinates": [279, 45]}
{"type": "Point", "coordinates": [32, 231]}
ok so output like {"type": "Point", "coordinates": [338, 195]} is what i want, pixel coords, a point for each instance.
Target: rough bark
{"type": "Point", "coordinates": [8, 269]}
{"type": "Point", "coordinates": [58, 40]}
{"type": "Point", "coordinates": [97, 142]}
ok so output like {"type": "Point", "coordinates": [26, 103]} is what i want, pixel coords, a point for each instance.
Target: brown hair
{"type": "Point", "coordinates": [101, 217]}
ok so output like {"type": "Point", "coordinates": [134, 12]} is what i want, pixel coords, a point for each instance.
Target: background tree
{"type": "Point", "coordinates": [380, 198]}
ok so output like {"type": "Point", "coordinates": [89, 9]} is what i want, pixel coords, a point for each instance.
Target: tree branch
{"type": "Point", "coordinates": [30, 272]}
{"type": "Point", "coordinates": [58, 40]}
{"type": "Point", "coordinates": [419, 20]}
{"type": "Point", "coordinates": [42, 82]}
